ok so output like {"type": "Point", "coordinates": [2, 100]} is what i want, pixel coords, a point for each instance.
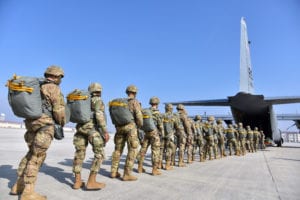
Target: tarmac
{"type": "Point", "coordinates": [273, 173]}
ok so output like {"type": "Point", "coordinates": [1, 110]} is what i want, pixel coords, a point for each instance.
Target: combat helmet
{"type": "Point", "coordinates": [211, 118]}
{"type": "Point", "coordinates": [219, 121]}
{"type": "Point", "coordinates": [95, 87]}
{"type": "Point", "coordinates": [55, 71]}
{"type": "Point", "coordinates": [180, 107]}
{"type": "Point", "coordinates": [168, 106]}
{"type": "Point", "coordinates": [154, 100]}
{"type": "Point", "coordinates": [131, 88]}
{"type": "Point", "coordinates": [197, 117]}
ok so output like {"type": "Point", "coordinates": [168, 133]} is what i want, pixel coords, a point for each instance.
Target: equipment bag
{"type": "Point", "coordinates": [24, 96]}
{"type": "Point", "coordinates": [79, 106]}
{"type": "Point", "coordinates": [119, 112]}
{"type": "Point", "coordinates": [148, 122]}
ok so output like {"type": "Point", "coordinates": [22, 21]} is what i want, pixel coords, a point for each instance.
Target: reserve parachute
{"type": "Point", "coordinates": [24, 96]}
{"type": "Point", "coordinates": [119, 112]}
{"type": "Point", "coordinates": [79, 106]}
{"type": "Point", "coordinates": [148, 121]}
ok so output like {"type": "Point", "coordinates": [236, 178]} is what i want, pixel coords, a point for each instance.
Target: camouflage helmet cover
{"type": "Point", "coordinates": [131, 88]}
{"type": "Point", "coordinates": [55, 71]}
{"type": "Point", "coordinates": [198, 117]}
{"type": "Point", "coordinates": [154, 100]}
{"type": "Point", "coordinates": [168, 106]}
{"type": "Point", "coordinates": [180, 107]}
{"type": "Point", "coordinates": [219, 121]}
{"type": "Point", "coordinates": [95, 87]}
{"type": "Point", "coordinates": [211, 118]}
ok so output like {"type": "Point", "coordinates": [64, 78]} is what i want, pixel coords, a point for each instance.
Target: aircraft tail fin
{"type": "Point", "coordinates": [246, 79]}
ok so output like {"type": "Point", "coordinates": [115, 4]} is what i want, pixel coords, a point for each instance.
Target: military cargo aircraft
{"type": "Point", "coordinates": [251, 109]}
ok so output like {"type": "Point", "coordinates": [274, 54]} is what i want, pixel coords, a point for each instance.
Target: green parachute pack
{"type": "Point", "coordinates": [148, 121]}
{"type": "Point", "coordinates": [24, 96]}
{"type": "Point", "coordinates": [168, 124]}
{"type": "Point", "coordinates": [119, 112]}
{"type": "Point", "coordinates": [79, 106]}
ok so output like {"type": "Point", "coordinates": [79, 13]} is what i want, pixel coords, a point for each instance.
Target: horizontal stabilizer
{"type": "Point", "coordinates": [282, 100]}
{"type": "Point", "coordinates": [212, 102]}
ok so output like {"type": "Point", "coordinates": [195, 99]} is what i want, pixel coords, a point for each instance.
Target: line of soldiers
{"type": "Point", "coordinates": [182, 135]}
{"type": "Point", "coordinates": [173, 132]}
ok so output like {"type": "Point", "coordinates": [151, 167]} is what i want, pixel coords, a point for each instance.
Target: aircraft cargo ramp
{"type": "Point", "coordinates": [270, 174]}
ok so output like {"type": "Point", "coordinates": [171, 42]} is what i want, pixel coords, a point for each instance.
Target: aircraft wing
{"type": "Point", "coordinates": [282, 100]}
{"type": "Point", "coordinates": [212, 102]}
{"type": "Point", "coordinates": [293, 117]}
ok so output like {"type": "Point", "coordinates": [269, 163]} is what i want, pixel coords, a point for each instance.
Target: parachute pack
{"type": "Point", "coordinates": [24, 96]}
{"type": "Point", "coordinates": [119, 112]}
{"type": "Point", "coordinates": [148, 121]}
{"type": "Point", "coordinates": [167, 122]}
{"type": "Point", "coordinates": [79, 106]}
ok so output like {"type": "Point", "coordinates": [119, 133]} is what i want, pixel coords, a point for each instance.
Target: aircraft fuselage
{"type": "Point", "coordinates": [254, 111]}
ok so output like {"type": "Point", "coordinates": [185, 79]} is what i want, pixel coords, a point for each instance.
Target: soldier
{"type": "Point", "coordinates": [262, 139]}
{"type": "Point", "coordinates": [184, 133]}
{"type": "Point", "coordinates": [127, 133]}
{"type": "Point", "coordinates": [198, 138]}
{"type": "Point", "coordinates": [256, 138]}
{"type": "Point", "coordinates": [39, 134]}
{"type": "Point", "coordinates": [94, 132]}
{"type": "Point", "coordinates": [249, 139]}
{"type": "Point", "coordinates": [188, 134]}
{"type": "Point", "coordinates": [152, 138]}
{"type": "Point", "coordinates": [170, 124]}
{"type": "Point", "coordinates": [221, 139]}
{"type": "Point", "coordinates": [242, 138]}
{"type": "Point", "coordinates": [208, 132]}
{"type": "Point", "coordinates": [190, 147]}
{"type": "Point", "coordinates": [231, 140]}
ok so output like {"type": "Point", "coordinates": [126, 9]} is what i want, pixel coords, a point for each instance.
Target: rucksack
{"type": "Point", "coordinates": [24, 96]}
{"type": "Point", "coordinates": [79, 106]}
{"type": "Point", "coordinates": [148, 121]}
{"type": "Point", "coordinates": [119, 112]}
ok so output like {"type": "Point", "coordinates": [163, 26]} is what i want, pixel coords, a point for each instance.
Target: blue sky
{"type": "Point", "coordinates": [176, 50]}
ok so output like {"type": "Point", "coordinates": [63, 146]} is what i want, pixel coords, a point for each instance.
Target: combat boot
{"type": "Point", "coordinates": [29, 194]}
{"type": "Point", "coordinates": [92, 184]}
{"type": "Point", "coordinates": [128, 177]}
{"type": "Point", "coordinates": [160, 165]}
{"type": "Point", "coordinates": [202, 159]}
{"type": "Point", "coordinates": [155, 171]}
{"type": "Point", "coordinates": [18, 187]}
{"type": "Point", "coordinates": [78, 182]}
{"type": "Point", "coordinates": [168, 165]}
{"type": "Point", "coordinates": [115, 175]}
{"type": "Point", "coordinates": [140, 168]}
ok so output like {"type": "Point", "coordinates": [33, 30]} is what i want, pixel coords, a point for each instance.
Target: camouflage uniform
{"type": "Point", "coordinates": [188, 133]}
{"type": "Point", "coordinates": [231, 140]}
{"type": "Point", "coordinates": [183, 134]}
{"type": "Point", "coordinates": [127, 133]}
{"type": "Point", "coordinates": [262, 140]}
{"type": "Point", "coordinates": [169, 122]}
{"type": "Point", "coordinates": [152, 138]}
{"type": "Point", "coordinates": [256, 138]}
{"type": "Point", "coordinates": [242, 138]}
{"type": "Point", "coordinates": [198, 138]}
{"type": "Point", "coordinates": [90, 132]}
{"type": "Point", "coordinates": [208, 132]}
{"type": "Point", "coordinates": [40, 133]}
{"type": "Point", "coordinates": [190, 146]}
{"type": "Point", "coordinates": [221, 139]}
{"type": "Point", "coordinates": [250, 139]}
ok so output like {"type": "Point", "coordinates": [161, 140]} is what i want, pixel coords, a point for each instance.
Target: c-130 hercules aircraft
{"type": "Point", "coordinates": [249, 108]}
